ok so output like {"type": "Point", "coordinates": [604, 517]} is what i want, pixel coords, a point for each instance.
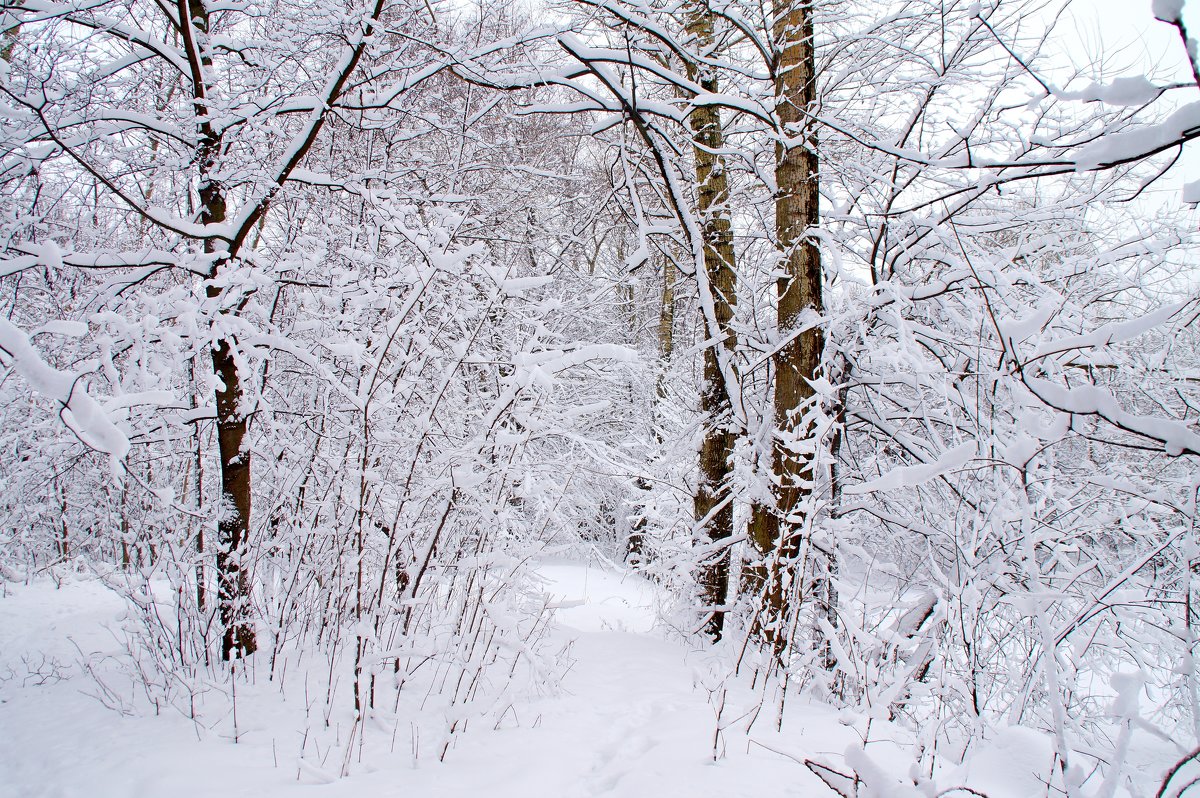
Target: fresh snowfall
{"type": "Point", "coordinates": [579, 398]}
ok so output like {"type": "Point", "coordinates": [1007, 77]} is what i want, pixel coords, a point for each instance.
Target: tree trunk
{"type": "Point", "coordinates": [776, 531]}
{"type": "Point", "coordinates": [713, 504]}
{"type": "Point", "coordinates": [666, 346]}
{"type": "Point", "coordinates": [233, 525]}
{"type": "Point", "coordinates": [197, 487]}
{"type": "Point", "coordinates": [666, 330]}
{"type": "Point", "coordinates": [233, 512]}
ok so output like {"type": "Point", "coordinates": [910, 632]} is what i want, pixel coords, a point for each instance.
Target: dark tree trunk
{"type": "Point", "coordinates": [776, 531]}
{"type": "Point", "coordinates": [233, 526]}
{"type": "Point", "coordinates": [713, 504]}
{"type": "Point", "coordinates": [233, 512]}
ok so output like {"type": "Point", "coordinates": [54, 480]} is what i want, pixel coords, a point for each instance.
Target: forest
{"type": "Point", "coordinates": [598, 397]}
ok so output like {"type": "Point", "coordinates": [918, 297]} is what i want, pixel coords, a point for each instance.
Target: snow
{"type": "Point", "coordinates": [911, 476]}
{"type": "Point", "coordinates": [597, 600]}
{"type": "Point", "coordinates": [440, 435]}
{"type": "Point", "coordinates": [80, 411]}
{"type": "Point", "coordinates": [1176, 437]}
{"type": "Point", "coordinates": [628, 721]}
{"type": "Point", "coordinates": [1191, 192]}
{"type": "Point", "coordinates": [1167, 10]}
{"type": "Point", "coordinates": [1016, 760]}
{"type": "Point", "coordinates": [1132, 90]}
{"type": "Point", "coordinates": [637, 714]}
{"type": "Point", "coordinates": [515, 286]}
{"type": "Point", "coordinates": [1139, 142]}
{"type": "Point", "coordinates": [640, 712]}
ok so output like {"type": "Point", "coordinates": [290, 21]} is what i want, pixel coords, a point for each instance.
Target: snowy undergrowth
{"type": "Point", "coordinates": [630, 711]}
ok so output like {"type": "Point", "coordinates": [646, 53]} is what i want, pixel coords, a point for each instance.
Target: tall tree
{"type": "Point", "coordinates": [238, 151]}
{"type": "Point", "coordinates": [714, 498]}
{"type": "Point", "coordinates": [776, 530]}
{"type": "Point", "coordinates": [233, 521]}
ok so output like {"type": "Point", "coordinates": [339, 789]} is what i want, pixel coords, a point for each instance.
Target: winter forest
{"type": "Point", "coordinates": [598, 397]}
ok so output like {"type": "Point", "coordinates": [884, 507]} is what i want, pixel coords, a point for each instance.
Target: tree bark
{"type": "Point", "coordinates": [233, 525]}
{"type": "Point", "coordinates": [233, 512]}
{"type": "Point", "coordinates": [198, 487]}
{"type": "Point", "coordinates": [713, 505]}
{"type": "Point", "coordinates": [666, 325]}
{"type": "Point", "coordinates": [776, 531]}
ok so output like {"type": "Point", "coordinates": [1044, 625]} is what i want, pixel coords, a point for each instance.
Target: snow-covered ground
{"type": "Point", "coordinates": [636, 716]}
{"type": "Point", "coordinates": [632, 718]}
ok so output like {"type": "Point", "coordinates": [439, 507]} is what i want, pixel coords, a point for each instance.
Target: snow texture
{"type": "Point", "coordinates": [1128, 145]}
{"type": "Point", "coordinates": [80, 411]}
{"type": "Point", "coordinates": [635, 717]}
{"type": "Point", "coordinates": [1167, 10]}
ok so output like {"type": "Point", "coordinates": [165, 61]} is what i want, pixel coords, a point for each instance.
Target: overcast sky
{"type": "Point", "coordinates": [1126, 32]}
{"type": "Point", "coordinates": [1130, 41]}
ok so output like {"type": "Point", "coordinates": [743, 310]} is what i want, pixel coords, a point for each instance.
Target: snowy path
{"type": "Point", "coordinates": [633, 719]}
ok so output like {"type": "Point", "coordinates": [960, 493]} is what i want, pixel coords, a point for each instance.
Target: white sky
{"type": "Point", "coordinates": [1126, 32]}
{"type": "Point", "coordinates": [1127, 38]}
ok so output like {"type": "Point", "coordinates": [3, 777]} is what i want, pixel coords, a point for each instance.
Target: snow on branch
{"type": "Point", "coordinates": [1089, 400]}
{"type": "Point", "coordinates": [80, 411]}
{"type": "Point", "coordinates": [914, 475]}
